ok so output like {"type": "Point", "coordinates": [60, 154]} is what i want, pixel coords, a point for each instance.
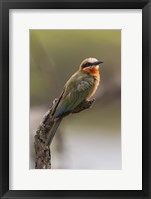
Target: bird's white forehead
{"type": "Point", "coordinates": [92, 60]}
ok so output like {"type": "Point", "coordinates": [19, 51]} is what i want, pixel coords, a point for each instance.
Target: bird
{"type": "Point", "coordinates": [80, 87]}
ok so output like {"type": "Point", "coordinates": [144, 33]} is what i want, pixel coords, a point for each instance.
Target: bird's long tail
{"type": "Point", "coordinates": [53, 131]}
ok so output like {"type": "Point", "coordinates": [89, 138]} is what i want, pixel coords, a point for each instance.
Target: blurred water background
{"type": "Point", "coordinates": [90, 139]}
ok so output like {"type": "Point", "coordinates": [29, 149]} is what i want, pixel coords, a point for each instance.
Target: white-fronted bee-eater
{"type": "Point", "coordinates": [81, 86]}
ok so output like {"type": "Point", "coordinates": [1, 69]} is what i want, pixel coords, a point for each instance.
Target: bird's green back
{"type": "Point", "coordinates": [75, 91]}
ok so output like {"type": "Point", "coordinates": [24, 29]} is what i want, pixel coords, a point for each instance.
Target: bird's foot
{"type": "Point", "coordinates": [84, 105]}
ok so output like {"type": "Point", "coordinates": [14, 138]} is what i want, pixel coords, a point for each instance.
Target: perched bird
{"type": "Point", "coordinates": [81, 86]}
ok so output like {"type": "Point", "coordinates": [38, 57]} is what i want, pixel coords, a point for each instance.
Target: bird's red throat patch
{"type": "Point", "coordinates": [94, 70]}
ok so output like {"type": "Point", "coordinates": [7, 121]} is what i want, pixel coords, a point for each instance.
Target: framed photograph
{"type": "Point", "coordinates": [75, 99]}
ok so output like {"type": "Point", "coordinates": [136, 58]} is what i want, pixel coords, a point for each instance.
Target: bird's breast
{"type": "Point", "coordinates": [96, 77]}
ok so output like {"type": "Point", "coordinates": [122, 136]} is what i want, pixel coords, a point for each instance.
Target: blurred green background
{"type": "Point", "coordinates": [90, 139]}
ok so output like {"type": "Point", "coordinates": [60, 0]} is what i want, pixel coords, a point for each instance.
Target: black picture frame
{"type": "Point", "coordinates": [5, 5]}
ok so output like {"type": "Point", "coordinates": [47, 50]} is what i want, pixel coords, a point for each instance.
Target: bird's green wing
{"type": "Point", "coordinates": [74, 94]}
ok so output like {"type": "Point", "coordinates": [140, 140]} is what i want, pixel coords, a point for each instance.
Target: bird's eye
{"type": "Point", "coordinates": [86, 65]}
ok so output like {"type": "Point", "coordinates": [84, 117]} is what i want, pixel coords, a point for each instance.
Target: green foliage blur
{"type": "Point", "coordinates": [56, 54]}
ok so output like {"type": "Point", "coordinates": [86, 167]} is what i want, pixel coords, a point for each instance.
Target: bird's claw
{"type": "Point", "coordinates": [84, 105]}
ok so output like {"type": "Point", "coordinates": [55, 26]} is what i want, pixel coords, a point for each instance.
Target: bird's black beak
{"type": "Point", "coordinates": [98, 62]}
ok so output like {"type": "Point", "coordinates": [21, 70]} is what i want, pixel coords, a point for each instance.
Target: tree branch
{"type": "Point", "coordinates": [42, 151]}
